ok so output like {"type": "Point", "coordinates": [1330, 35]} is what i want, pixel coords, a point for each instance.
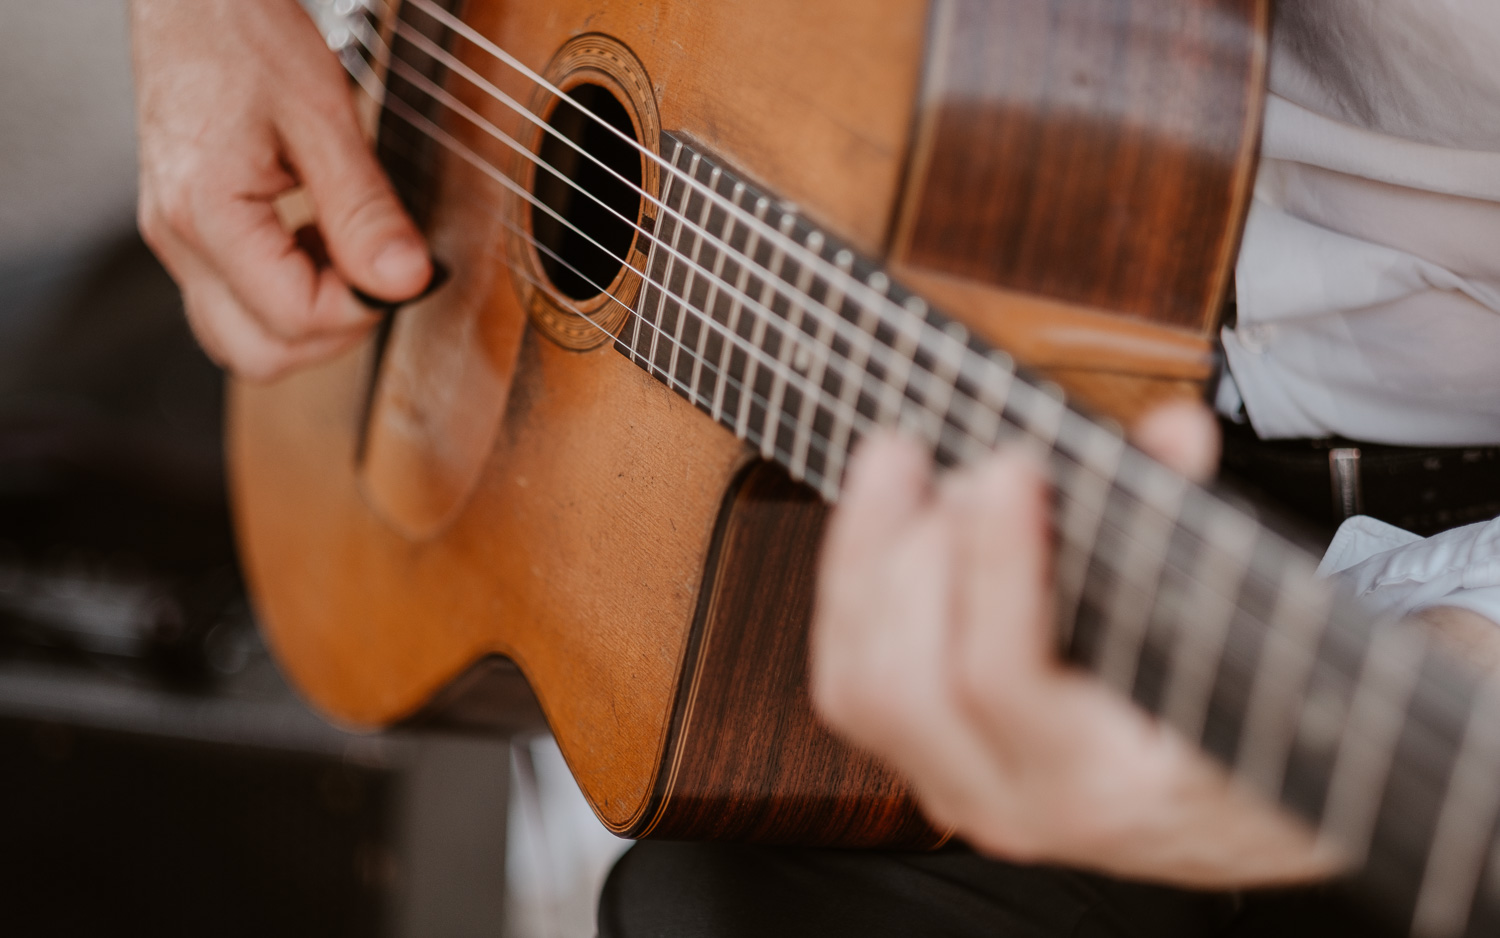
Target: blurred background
{"type": "Point", "coordinates": [156, 775]}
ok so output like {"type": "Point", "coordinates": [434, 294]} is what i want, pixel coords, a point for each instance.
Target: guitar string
{"type": "Point", "coordinates": [708, 192]}
{"type": "Point", "coordinates": [788, 331]}
{"type": "Point", "coordinates": [942, 423]}
{"type": "Point", "coordinates": [1169, 567]}
{"type": "Point", "coordinates": [865, 424]}
{"type": "Point", "coordinates": [928, 338]}
{"type": "Point", "coordinates": [783, 327]}
{"type": "Point", "coordinates": [845, 329]}
{"type": "Point", "coordinates": [1420, 726]}
{"type": "Point", "coordinates": [1252, 567]}
{"type": "Point", "coordinates": [689, 306]}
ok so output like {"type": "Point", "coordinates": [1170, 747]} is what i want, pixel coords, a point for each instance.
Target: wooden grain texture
{"type": "Point", "coordinates": [748, 760]}
{"type": "Point", "coordinates": [578, 548]}
{"type": "Point", "coordinates": [559, 507]}
{"type": "Point", "coordinates": [1097, 152]}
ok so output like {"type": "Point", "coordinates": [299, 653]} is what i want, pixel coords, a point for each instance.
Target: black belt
{"type": "Point", "coordinates": [1422, 489]}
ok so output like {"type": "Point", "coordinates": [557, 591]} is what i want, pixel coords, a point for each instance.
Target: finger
{"type": "Point", "coordinates": [234, 339]}
{"type": "Point", "coordinates": [882, 679]}
{"type": "Point", "coordinates": [1183, 435]}
{"type": "Point", "coordinates": [373, 242]}
{"type": "Point", "coordinates": [242, 239]}
{"type": "Point", "coordinates": [885, 489]}
{"type": "Point", "coordinates": [1004, 636]}
{"type": "Point", "coordinates": [888, 482]}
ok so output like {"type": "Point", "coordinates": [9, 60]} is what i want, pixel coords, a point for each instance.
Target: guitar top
{"type": "Point", "coordinates": [697, 251]}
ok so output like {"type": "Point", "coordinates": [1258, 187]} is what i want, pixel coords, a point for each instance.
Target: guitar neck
{"type": "Point", "coordinates": [1185, 603]}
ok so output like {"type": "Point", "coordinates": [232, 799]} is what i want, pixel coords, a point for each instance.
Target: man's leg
{"type": "Point", "coordinates": [680, 890]}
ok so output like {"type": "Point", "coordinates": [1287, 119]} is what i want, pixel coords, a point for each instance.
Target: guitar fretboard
{"type": "Point", "coordinates": [800, 345]}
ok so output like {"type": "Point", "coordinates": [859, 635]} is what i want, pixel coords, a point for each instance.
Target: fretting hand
{"type": "Point", "coordinates": [933, 648]}
{"type": "Point", "coordinates": [239, 102]}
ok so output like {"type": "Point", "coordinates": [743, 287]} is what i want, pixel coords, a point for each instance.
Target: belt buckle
{"type": "Point", "coordinates": [1343, 473]}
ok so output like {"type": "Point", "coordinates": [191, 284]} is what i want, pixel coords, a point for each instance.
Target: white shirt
{"type": "Point", "coordinates": [1369, 277]}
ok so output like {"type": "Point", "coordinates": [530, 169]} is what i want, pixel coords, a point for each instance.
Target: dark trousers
{"type": "Point", "coordinates": [681, 890]}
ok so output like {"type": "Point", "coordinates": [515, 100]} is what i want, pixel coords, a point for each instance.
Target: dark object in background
{"type": "Point", "coordinates": [156, 776]}
{"type": "Point", "coordinates": [119, 834]}
{"type": "Point", "coordinates": [115, 541]}
{"type": "Point", "coordinates": [1422, 489]}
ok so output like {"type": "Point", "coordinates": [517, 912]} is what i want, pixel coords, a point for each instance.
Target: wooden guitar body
{"type": "Point", "coordinates": [1067, 177]}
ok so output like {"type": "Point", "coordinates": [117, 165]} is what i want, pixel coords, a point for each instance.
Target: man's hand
{"type": "Point", "coordinates": [933, 647]}
{"type": "Point", "coordinates": [239, 102]}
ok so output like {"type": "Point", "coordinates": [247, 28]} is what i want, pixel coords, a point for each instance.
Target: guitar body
{"type": "Point", "coordinates": [1066, 177]}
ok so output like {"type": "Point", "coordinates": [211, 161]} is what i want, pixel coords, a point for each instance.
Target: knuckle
{"type": "Point", "coordinates": [370, 211]}
{"type": "Point", "coordinates": [174, 209]}
{"type": "Point", "coordinates": [284, 322]}
{"type": "Point", "coordinates": [259, 366]}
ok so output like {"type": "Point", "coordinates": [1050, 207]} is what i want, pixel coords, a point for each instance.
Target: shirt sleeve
{"type": "Point", "coordinates": [1397, 572]}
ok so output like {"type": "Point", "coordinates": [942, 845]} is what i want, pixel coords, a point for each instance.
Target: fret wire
{"type": "Point", "coordinates": [678, 385]}
{"type": "Point", "coordinates": [1079, 523]}
{"type": "Point", "coordinates": [732, 317]}
{"type": "Point", "coordinates": [1281, 679]}
{"type": "Point", "coordinates": [1001, 375]}
{"type": "Point", "coordinates": [920, 336]}
{"type": "Point", "coordinates": [780, 378]}
{"type": "Point", "coordinates": [671, 261]}
{"type": "Point", "coordinates": [849, 391]}
{"type": "Point", "coordinates": [685, 294]}
{"type": "Point", "coordinates": [877, 279]}
{"type": "Point", "coordinates": [1465, 823]}
{"type": "Point", "coordinates": [673, 168]}
{"type": "Point", "coordinates": [937, 389]}
{"type": "Point", "coordinates": [713, 284]}
{"type": "Point", "coordinates": [1213, 597]}
{"type": "Point", "coordinates": [1125, 480]}
{"type": "Point", "coordinates": [994, 385]}
{"type": "Point", "coordinates": [757, 328]}
{"type": "Point", "coordinates": [1376, 715]}
{"type": "Point", "coordinates": [891, 312]}
{"type": "Point", "coordinates": [666, 261]}
{"type": "Point", "coordinates": [898, 379]}
{"type": "Point", "coordinates": [817, 354]}
{"type": "Point", "coordinates": [683, 219]}
{"type": "Point", "coordinates": [988, 363]}
{"type": "Point", "coordinates": [799, 360]}
{"type": "Point", "coordinates": [957, 343]}
{"type": "Point", "coordinates": [1128, 618]}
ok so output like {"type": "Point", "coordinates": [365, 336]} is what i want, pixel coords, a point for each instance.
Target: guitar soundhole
{"type": "Point", "coordinates": [584, 253]}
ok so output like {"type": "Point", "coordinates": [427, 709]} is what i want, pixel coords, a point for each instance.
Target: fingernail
{"type": "Point", "coordinates": [402, 264]}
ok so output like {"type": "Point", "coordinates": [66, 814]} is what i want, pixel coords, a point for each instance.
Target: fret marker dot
{"type": "Point", "coordinates": [879, 282]}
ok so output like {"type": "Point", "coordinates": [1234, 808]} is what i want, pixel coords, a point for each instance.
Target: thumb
{"type": "Point", "coordinates": [370, 238]}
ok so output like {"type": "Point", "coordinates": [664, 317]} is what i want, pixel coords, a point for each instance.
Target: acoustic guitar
{"type": "Point", "coordinates": [694, 252]}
